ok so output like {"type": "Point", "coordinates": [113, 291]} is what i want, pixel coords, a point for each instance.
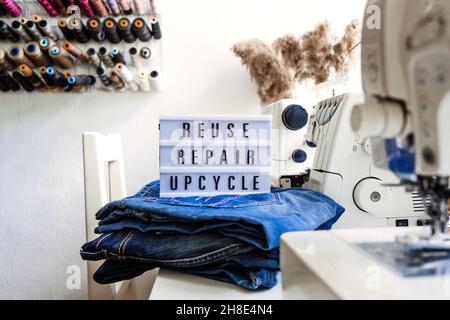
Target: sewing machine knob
{"type": "Point", "coordinates": [371, 196]}
{"type": "Point", "coordinates": [295, 117]}
{"type": "Point", "coordinates": [299, 156]}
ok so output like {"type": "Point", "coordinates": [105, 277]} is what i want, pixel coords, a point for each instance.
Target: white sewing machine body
{"type": "Point", "coordinates": [291, 156]}
{"type": "Point", "coordinates": [343, 170]}
{"type": "Point", "coordinates": [329, 265]}
{"type": "Point", "coordinates": [405, 72]}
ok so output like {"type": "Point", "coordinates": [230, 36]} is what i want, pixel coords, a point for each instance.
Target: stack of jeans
{"type": "Point", "coordinates": [233, 239]}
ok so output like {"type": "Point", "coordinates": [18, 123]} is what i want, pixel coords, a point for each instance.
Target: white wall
{"type": "Point", "coordinates": [41, 173]}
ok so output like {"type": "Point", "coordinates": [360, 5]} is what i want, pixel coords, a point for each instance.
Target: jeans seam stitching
{"type": "Point", "coordinates": [218, 204]}
{"type": "Point", "coordinates": [223, 201]}
{"type": "Point", "coordinates": [126, 242]}
{"type": "Point", "coordinates": [101, 240]}
{"type": "Point", "coordinates": [189, 261]}
{"type": "Point", "coordinates": [123, 242]}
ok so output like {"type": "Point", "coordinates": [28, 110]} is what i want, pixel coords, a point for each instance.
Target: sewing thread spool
{"type": "Point", "coordinates": [105, 57]}
{"type": "Point", "coordinates": [2, 35]}
{"type": "Point", "coordinates": [72, 82]}
{"type": "Point", "coordinates": [63, 60]}
{"type": "Point", "coordinates": [47, 79]}
{"type": "Point", "coordinates": [34, 52]}
{"type": "Point", "coordinates": [94, 59]}
{"type": "Point", "coordinates": [82, 80]}
{"type": "Point", "coordinates": [3, 86]}
{"type": "Point", "coordinates": [111, 32]}
{"type": "Point", "coordinates": [126, 76]}
{"type": "Point", "coordinates": [133, 86]}
{"type": "Point", "coordinates": [32, 29]}
{"type": "Point", "coordinates": [21, 80]}
{"type": "Point", "coordinates": [68, 34]}
{"type": "Point", "coordinates": [32, 77]}
{"type": "Point", "coordinates": [86, 8]}
{"type": "Point", "coordinates": [144, 81]}
{"type": "Point", "coordinates": [74, 51]}
{"type": "Point", "coordinates": [79, 30]}
{"type": "Point", "coordinates": [125, 30]}
{"type": "Point", "coordinates": [60, 7]}
{"type": "Point", "coordinates": [141, 29]}
{"type": "Point", "coordinates": [49, 8]}
{"type": "Point", "coordinates": [17, 55]}
{"type": "Point", "coordinates": [68, 74]}
{"type": "Point", "coordinates": [101, 72]}
{"type": "Point", "coordinates": [139, 7]}
{"type": "Point", "coordinates": [12, 8]}
{"type": "Point", "coordinates": [156, 28]}
{"type": "Point", "coordinates": [117, 82]}
{"type": "Point", "coordinates": [45, 43]}
{"type": "Point", "coordinates": [7, 32]}
{"type": "Point", "coordinates": [35, 18]}
{"type": "Point", "coordinates": [95, 29]}
{"type": "Point", "coordinates": [9, 81]}
{"type": "Point", "coordinates": [125, 6]}
{"type": "Point", "coordinates": [58, 78]}
{"type": "Point", "coordinates": [145, 53]}
{"type": "Point", "coordinates": [5, 63]}
{"type": "Point", "coordinates": [2, 12]}
{"type": "Point", "coordinates": [70, 3]}
{"type": "Point", "coordinates": [114, 7]}
{"type": "Point", "coordinates": [100, 8]}
{"type": "Point", "coordinates": [156, 81]}
{"type": "Point", "coordinates": [154, 7]}
{"type": "Point", "coordinates": [117, 56]}
{"type": "Point", "coordinates": [135, 58]}
{"type": "Point", "coordinates": [124, 72]}
{"type": "Point", "coordinates": [20, 30]}
{"type": "Point", "coordinates": [46, 30]}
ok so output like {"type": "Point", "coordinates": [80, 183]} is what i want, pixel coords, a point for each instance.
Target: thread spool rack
{"type": "Point", "coordinates": [140, 72]}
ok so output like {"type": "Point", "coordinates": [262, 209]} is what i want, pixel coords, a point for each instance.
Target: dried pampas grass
{"type": "Point", "coordinates": [344, 47]}
{"type": "Point", "coordinates": [290, 50]}
{"type": "Point", "coordinates": [271, 76]}
{"type": "Point", "coordinates": [314, 55]}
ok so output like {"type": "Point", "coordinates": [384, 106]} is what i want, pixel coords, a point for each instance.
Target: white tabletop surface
{"type": "Point", "coordinates": [171, 285]}
{"type": "Point", "coordinates": [350, 273]}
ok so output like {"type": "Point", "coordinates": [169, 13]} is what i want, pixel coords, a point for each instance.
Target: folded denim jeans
{"type": "Point", "coordinates": [129, 253]}
{"type": "Point", "coordinates": [113, 271]}
{"type": "Point", "coordinates": [229, 238]}
{"type": "Point", "coordinates": [258, 219]}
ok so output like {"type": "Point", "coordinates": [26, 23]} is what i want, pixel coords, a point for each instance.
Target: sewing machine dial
{"type": "Point", "coordinates": [371, 196]}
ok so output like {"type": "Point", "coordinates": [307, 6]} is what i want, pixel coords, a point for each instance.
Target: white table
{"type": "Point", "coordinates": [328, 265]}
{"type": "Point", "coordinates": [171, 285]}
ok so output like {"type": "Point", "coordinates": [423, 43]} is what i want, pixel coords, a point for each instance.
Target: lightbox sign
{"type": "Point", "coordinates": [215, 155]}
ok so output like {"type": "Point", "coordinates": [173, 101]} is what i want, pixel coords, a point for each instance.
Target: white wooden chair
{"type": "Point", "coordinates": [104, 181]}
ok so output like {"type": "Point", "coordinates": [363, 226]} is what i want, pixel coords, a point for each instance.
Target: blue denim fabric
{"type": "Point", "coordinates": [113, 271]}
{"type": "Point", "coordinates": [227, 238]}
{"type": "Point", "coordinates": [129, 253]}
{"type": "Point", "coordinates": [256, 219]}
